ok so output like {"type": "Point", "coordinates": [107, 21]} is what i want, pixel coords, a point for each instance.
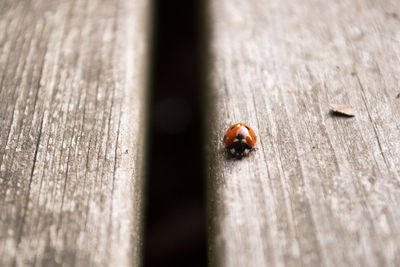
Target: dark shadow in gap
{"type": "Point", "coordinates": [175, 231]}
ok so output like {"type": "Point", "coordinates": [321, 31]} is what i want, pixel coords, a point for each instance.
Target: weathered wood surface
{"type": "Point", "coordinates": [72, 81]}
{"type": "Point", "coordinates": [320, 190]}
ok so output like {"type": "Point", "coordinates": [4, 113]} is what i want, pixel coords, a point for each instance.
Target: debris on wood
{"type": "Point", "coordinates": [289, 91]}
{"type": "Point", "coordinates": [398, 95]}
{"type": "Point", "coordinates": [392, 14]}
{"type": "Point", "coordinates": [353, 73]}
{"type": "Point", "coordinates": [342, 110]}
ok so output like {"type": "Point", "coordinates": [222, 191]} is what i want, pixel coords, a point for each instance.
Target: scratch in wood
{"type": "Point", "coordinates": [66, 176]}
{"type": "Point", "coordinates": [42, 177]}
{"type": "Point", "coordinates": [64, 133]}
{"type": "Point", "coordinates": [260, 139]}
{"type": "Point", "coordinates": [372, 121]}
{"type": "Point", "coordinates": [85, 181]}
{"type": "Point", "coordinates": [114, 177]}
{"type": "Point", "coordinates": [21, 227]}
{"type": "Point", "coordinates": [8, 135]}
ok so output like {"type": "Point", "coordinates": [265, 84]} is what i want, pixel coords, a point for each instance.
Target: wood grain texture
{"type": "Point", "coordinates": [72, 85]}
{"type": "Point", "coordinates": [320, 190]}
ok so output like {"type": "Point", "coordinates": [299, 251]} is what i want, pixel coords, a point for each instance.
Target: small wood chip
{"type": "Point", "coordinates": [398, 95]}
{"type": "Point", "coordinates": [342, 109]}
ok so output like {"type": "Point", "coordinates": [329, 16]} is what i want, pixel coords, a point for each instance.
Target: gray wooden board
{"type": "Point", "coordinates": [320, 190]}
{"type": "Point", "coordinates": [72, 81]}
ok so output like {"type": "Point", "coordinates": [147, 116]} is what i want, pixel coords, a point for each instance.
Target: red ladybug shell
{"type": "Point", "coordinates": [239, 139]}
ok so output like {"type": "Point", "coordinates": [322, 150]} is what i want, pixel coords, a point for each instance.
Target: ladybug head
{"type": "Point", "coordinates": [239, 147]}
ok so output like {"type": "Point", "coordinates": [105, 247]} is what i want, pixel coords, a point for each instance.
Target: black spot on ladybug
{"type": "Point", "coordinates": [240, 136]}
{"type": "Point", "coordinates": [247, 128]}
{"type": "Point", "coordinates": [233, 127]}
{"type": "Point", "coordinates": [255, 138]}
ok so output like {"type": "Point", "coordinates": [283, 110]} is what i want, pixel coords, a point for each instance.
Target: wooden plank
{"type": "Point", "coordinates": [320, 190]}
{"type": "Point", "coordinates": [72, 85]}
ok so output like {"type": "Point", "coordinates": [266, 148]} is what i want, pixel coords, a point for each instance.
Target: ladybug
{"type": "Point", "coordinates": [239, 139]}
